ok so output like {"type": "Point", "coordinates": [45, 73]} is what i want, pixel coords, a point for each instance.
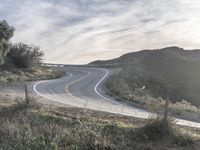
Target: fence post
{"type": "Point", "coordinates": [166, 111]}
{"type": "Point", "coordinates": [26, 94]}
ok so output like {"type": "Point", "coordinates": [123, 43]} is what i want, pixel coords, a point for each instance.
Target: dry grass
{"type": "Point", "coordinates": [23, 75]}
{"type": "Point", "coordinates": [36, 127]}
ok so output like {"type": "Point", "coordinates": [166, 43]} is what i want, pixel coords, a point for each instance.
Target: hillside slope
{"type": "Point", "coordinates": [169, 72]}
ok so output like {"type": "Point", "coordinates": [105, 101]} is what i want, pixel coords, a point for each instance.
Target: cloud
{"type": "Point", "coordinates": [80, 31]}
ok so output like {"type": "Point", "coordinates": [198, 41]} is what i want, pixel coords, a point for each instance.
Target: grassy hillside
{"type": "Point", "coordinates": [15, 75]}
{"type": "Point", "coordinates": [169, 72]}
{"type": "Point", "coordinates": [43, 128]}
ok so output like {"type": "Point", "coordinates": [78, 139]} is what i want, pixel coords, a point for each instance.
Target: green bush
{"type": "Point", "coordinates": [25, 56]}
{"type": "Point", "coordinates": [6, 33]}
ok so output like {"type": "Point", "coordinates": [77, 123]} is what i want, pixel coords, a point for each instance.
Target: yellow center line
{"type": "Point", "coordinates": [73, 82]}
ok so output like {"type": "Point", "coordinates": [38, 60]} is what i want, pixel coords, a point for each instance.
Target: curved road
{"type": "Point", "coordinates": [82, 87]}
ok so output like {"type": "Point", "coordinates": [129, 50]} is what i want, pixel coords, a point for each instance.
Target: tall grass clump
{"type": "Point", "coordinates": [157, 128]}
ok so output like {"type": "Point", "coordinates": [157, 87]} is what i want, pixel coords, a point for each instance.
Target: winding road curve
{"type": "Point", "coordinates": [82, 87]}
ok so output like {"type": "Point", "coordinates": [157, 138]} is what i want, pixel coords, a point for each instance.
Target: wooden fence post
{"type": "Point", "coordinates": [166, 111]}
{"type": "Point", "coordinates": [26, 94]}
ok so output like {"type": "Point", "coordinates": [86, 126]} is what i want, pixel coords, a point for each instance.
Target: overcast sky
{"type": "Point", "coordinates": [79, 31]}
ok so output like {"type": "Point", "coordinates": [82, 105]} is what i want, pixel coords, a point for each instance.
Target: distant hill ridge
{"type": "Point", "coordinates": [133, 57]}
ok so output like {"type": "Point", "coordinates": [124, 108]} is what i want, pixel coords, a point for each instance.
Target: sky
{"type": "Point", "coordinates": [81, 31]}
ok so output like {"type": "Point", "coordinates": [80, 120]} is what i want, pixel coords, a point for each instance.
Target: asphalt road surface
{"type": "Point", "coordinates": [82, 87]}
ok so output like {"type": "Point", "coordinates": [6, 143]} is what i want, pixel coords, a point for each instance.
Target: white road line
{"type": "Point", "coordinates": [36, 91]}
{"type": "Point", "coordinates": [96, 87]}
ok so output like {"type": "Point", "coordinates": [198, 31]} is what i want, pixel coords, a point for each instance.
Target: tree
{"type": "Point", "coordinates": [25, 56]}
{"type": "Point", "coordinates": [6, 33]}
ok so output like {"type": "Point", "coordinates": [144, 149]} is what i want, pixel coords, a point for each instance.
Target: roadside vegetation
{"type": "Point", "coordinates": [24, 75]}
{"type": "Point", "coordinates": [20, 62]}
{"type": "Point", "coordinates": [156, 104]}
{"type": "Point", "coordinates": [33, 126]}
{"type": "Point", "coordinates": [6, 33]}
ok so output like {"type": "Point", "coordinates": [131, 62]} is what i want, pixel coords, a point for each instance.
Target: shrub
{"type": "Point", "coordinates": [25, 56]}
{"type": "Point", "coordinates": [6, 33]}
{"type": "Point", "coordinates": [182, 107]}
{"type": "Point", "coordinates": [156, 129]}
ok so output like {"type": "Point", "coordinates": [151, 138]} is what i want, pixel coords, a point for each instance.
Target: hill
{"type": "Point", "coordinates": [169, 72]}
